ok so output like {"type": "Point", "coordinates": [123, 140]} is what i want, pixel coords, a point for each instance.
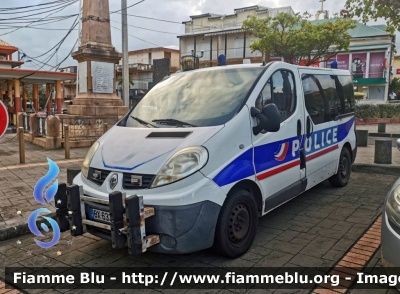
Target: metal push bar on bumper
{"type": "Point", "coordinates": [127, 217]}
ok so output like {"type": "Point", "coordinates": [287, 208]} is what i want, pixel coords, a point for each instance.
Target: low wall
{"type": "Point", "coordinates": [375, 121]}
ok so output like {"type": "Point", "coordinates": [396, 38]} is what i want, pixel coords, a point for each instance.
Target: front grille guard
{"type": "Point", "coordinates": [127, 215]}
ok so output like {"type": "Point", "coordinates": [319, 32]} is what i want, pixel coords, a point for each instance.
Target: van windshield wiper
{"type": "Point", "coordinates": [172, 121]}
{"type": "Point", "coordinates": [143, 122]}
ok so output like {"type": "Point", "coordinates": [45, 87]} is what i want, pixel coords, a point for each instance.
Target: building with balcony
{"type": "Point", "coordinates": [216, 34]}
{"type": "Point", "coordinates": [370, 58]}
{"type": "Point", "coordinates": [18, 85]}
{"type": "Point", "coordinates": [141, 65]}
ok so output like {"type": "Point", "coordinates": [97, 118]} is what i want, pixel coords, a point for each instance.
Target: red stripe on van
{"type": "Point", "coordinates": [323, 152]}
{"type": "Point", "coordinates": [278, 170]}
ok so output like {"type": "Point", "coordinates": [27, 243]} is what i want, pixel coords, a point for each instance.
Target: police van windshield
{"type": "Point", "coordinates": [195, 99]}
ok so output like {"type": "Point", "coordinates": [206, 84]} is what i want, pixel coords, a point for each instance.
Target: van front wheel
{"type": "Point", "coordinates": [342, 178]}
{"type": "Point", "coordinates": [237, 224]}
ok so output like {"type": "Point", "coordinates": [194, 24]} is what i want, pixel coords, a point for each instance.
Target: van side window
{"type": "Point", "coordinates": [280, 90]}
{"type": "Point", "coordinates": [348, 91]}
{"type": "Point", "coordinates": [328, 96]}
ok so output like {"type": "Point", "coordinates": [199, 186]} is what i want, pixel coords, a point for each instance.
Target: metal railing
{"type": "Point", "coordinates": [41, 126]}
{"type": "Point", "coordinates": [87, 127]}
{"type": "Point", "coordinates": [26, 122]}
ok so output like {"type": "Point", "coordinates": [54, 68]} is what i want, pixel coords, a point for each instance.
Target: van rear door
{"type": "Point", "coordinates": [322, 109]}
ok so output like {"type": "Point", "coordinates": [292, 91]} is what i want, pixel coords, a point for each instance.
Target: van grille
{"type": "Point", "coordinates": [137, 181]}
{"type": "Point", "coordinates": [101, 175]}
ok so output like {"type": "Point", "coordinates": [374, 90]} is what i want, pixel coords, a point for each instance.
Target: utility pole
{"type": "Point", "coordinates": [79, 43]}
{"type": "Point", "coordinates": [125, 58]}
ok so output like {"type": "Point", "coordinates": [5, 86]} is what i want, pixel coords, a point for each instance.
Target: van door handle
{"type": "Point", "coordinates": [299, 129]}
{"type": "Point", "coordinates": [309, 126]}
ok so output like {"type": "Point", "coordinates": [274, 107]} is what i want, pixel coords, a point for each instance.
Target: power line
{"type": "Point", "coordinates": [37, 28]}
{"type": "Point", "coordinates": [138, 38]}
{"type": "Point", "coordinates": [127, 7]}
{"type": "Point", "coordinates": [62, 8]}
{"type": "Point", "coordinates": [62, 40]}
{"type": "Point", "coordinates": [163, 20]}
{"type": "Point", "coordinates": [26, 16]}
{"type": "Point", "coordinates": [54, 53]}
{"type": "Point", "coordinates": [24, 7]}
{"type": "Point", "coordinates": [49, 6]}
{"type": "Point", "coordinates": [149, 29]}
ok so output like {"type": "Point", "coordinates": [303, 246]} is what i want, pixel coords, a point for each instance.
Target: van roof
{"type": "Point", "coordinates": [257, 65]}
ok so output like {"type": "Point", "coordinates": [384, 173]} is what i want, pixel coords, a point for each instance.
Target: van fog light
{"type": "Point", "coordinates": [168, 241]}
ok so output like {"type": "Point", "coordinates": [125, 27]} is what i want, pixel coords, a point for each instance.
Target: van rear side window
{"type": "Point", "coordinates": [328, 96]}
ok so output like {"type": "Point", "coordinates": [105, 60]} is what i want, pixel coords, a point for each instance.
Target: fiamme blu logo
{"type": "Point", "coordinates": [45, 190]}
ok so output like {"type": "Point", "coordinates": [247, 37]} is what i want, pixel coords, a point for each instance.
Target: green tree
{"type": "Point", "coordinates": [368, 10]}
{"type": "Point", "coordinates": [395, 86]}
{"type": "Point", "coordinates": [121, 80]}
{"type": "Point", "coordinates": [42, 97]}
{"type": "Point", "coordinates": [296, 38]}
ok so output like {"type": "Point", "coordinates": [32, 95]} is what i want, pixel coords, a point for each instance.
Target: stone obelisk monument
{"type": "Point", "coordinates": [97, 58]}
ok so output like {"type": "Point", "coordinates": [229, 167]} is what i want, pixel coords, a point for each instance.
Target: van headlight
{"type": "Point", "coordinates": [393, 206]}
{"type": "Point", "coordinates": [88, 159]}
{"type": "Point", "coordinates": [183, 164]}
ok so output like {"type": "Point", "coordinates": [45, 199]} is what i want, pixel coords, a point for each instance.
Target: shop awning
{"type": "Point", "coordinates": [370, 81]}
{"type": "Point", "coordinates": [34, 76]}
{"type": "Point", "coordinates": [369, 47]}
{"type": "Point", "coordinates": [224, 32]}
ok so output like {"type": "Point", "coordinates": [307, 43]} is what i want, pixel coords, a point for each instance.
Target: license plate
{"type": "Point", "coordinates": [100, 215]}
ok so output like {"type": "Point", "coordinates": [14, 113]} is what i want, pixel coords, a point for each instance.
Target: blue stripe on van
{"type": "Point", "coordinates": [240, 168]}
{"type": "Point", "coordinates": [272, 155]}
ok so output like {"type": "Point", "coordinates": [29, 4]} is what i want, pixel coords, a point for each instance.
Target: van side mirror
{"type": "Point", "coordinates": [269, 119]}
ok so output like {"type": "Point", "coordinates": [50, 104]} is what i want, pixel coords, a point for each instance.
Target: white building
{"type": "Point", "coordinates": [216, 34]}
{"type": "Point", "coordinates": [141, 65]}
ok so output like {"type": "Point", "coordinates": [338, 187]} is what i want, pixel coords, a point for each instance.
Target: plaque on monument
{"type": "Point", "coordinates": [103, 77]}
{"type": "Point", "coordinates": [82, 72]}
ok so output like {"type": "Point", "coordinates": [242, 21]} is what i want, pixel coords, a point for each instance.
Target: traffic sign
{"type": "Point", "coordinates": [4, 119]}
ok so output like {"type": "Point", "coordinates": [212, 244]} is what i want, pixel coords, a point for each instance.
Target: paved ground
{"type": "Point", "coordinates": [314, 230]}
{"type": "Point", "coordinates": [18, 181]}
{"type": "Point", "coordinates": [366, 154]}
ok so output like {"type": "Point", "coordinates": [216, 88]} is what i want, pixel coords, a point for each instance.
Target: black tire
{"type": "Point", "coordinates": [237, 224]}
{"type": "Point", "coordinates": [342, 178]}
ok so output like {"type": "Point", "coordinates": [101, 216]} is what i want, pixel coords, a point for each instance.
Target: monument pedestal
{"type": "Point", "coordinates": [97, 58]}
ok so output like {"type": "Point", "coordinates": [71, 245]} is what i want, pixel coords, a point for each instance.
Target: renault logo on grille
{"type": "Point", "coordinates": [136, 180]}
{"type": "Point", "coordinates": [113, 181]}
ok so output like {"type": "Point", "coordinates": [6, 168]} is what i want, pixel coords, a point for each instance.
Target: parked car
{"type": "Point", "coordinates": [209, 169]}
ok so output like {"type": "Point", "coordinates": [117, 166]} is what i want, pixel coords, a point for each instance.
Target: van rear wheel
{"type": "Point", "coordinates": [237, 224]}
{"type": "Point", "coordinates": [342, 178]}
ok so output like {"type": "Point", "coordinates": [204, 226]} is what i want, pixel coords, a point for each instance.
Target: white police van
{"type": "Point", "coordinates": [221, 147]}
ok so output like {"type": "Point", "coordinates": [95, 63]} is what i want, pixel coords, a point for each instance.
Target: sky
{"type": "Point", "coordinates": [35, 42]}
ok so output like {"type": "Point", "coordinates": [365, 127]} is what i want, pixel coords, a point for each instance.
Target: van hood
{"type": "Point", "coordinates": [145, 150]}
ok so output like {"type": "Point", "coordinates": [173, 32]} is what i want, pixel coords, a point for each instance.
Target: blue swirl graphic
{"type": "Point", "coordinates": [46, 180]}
{"type": "Point", "coordinates": [33, 228]}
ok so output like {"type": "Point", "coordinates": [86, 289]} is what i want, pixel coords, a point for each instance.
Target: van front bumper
{"type": "Point", "coordinates": [158, 228]}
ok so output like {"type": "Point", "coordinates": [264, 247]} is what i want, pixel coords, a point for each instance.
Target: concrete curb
{"type": "Point", "coordinates": [384, 169]}
{"type": "Point", "coordinates": [23, 229]}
